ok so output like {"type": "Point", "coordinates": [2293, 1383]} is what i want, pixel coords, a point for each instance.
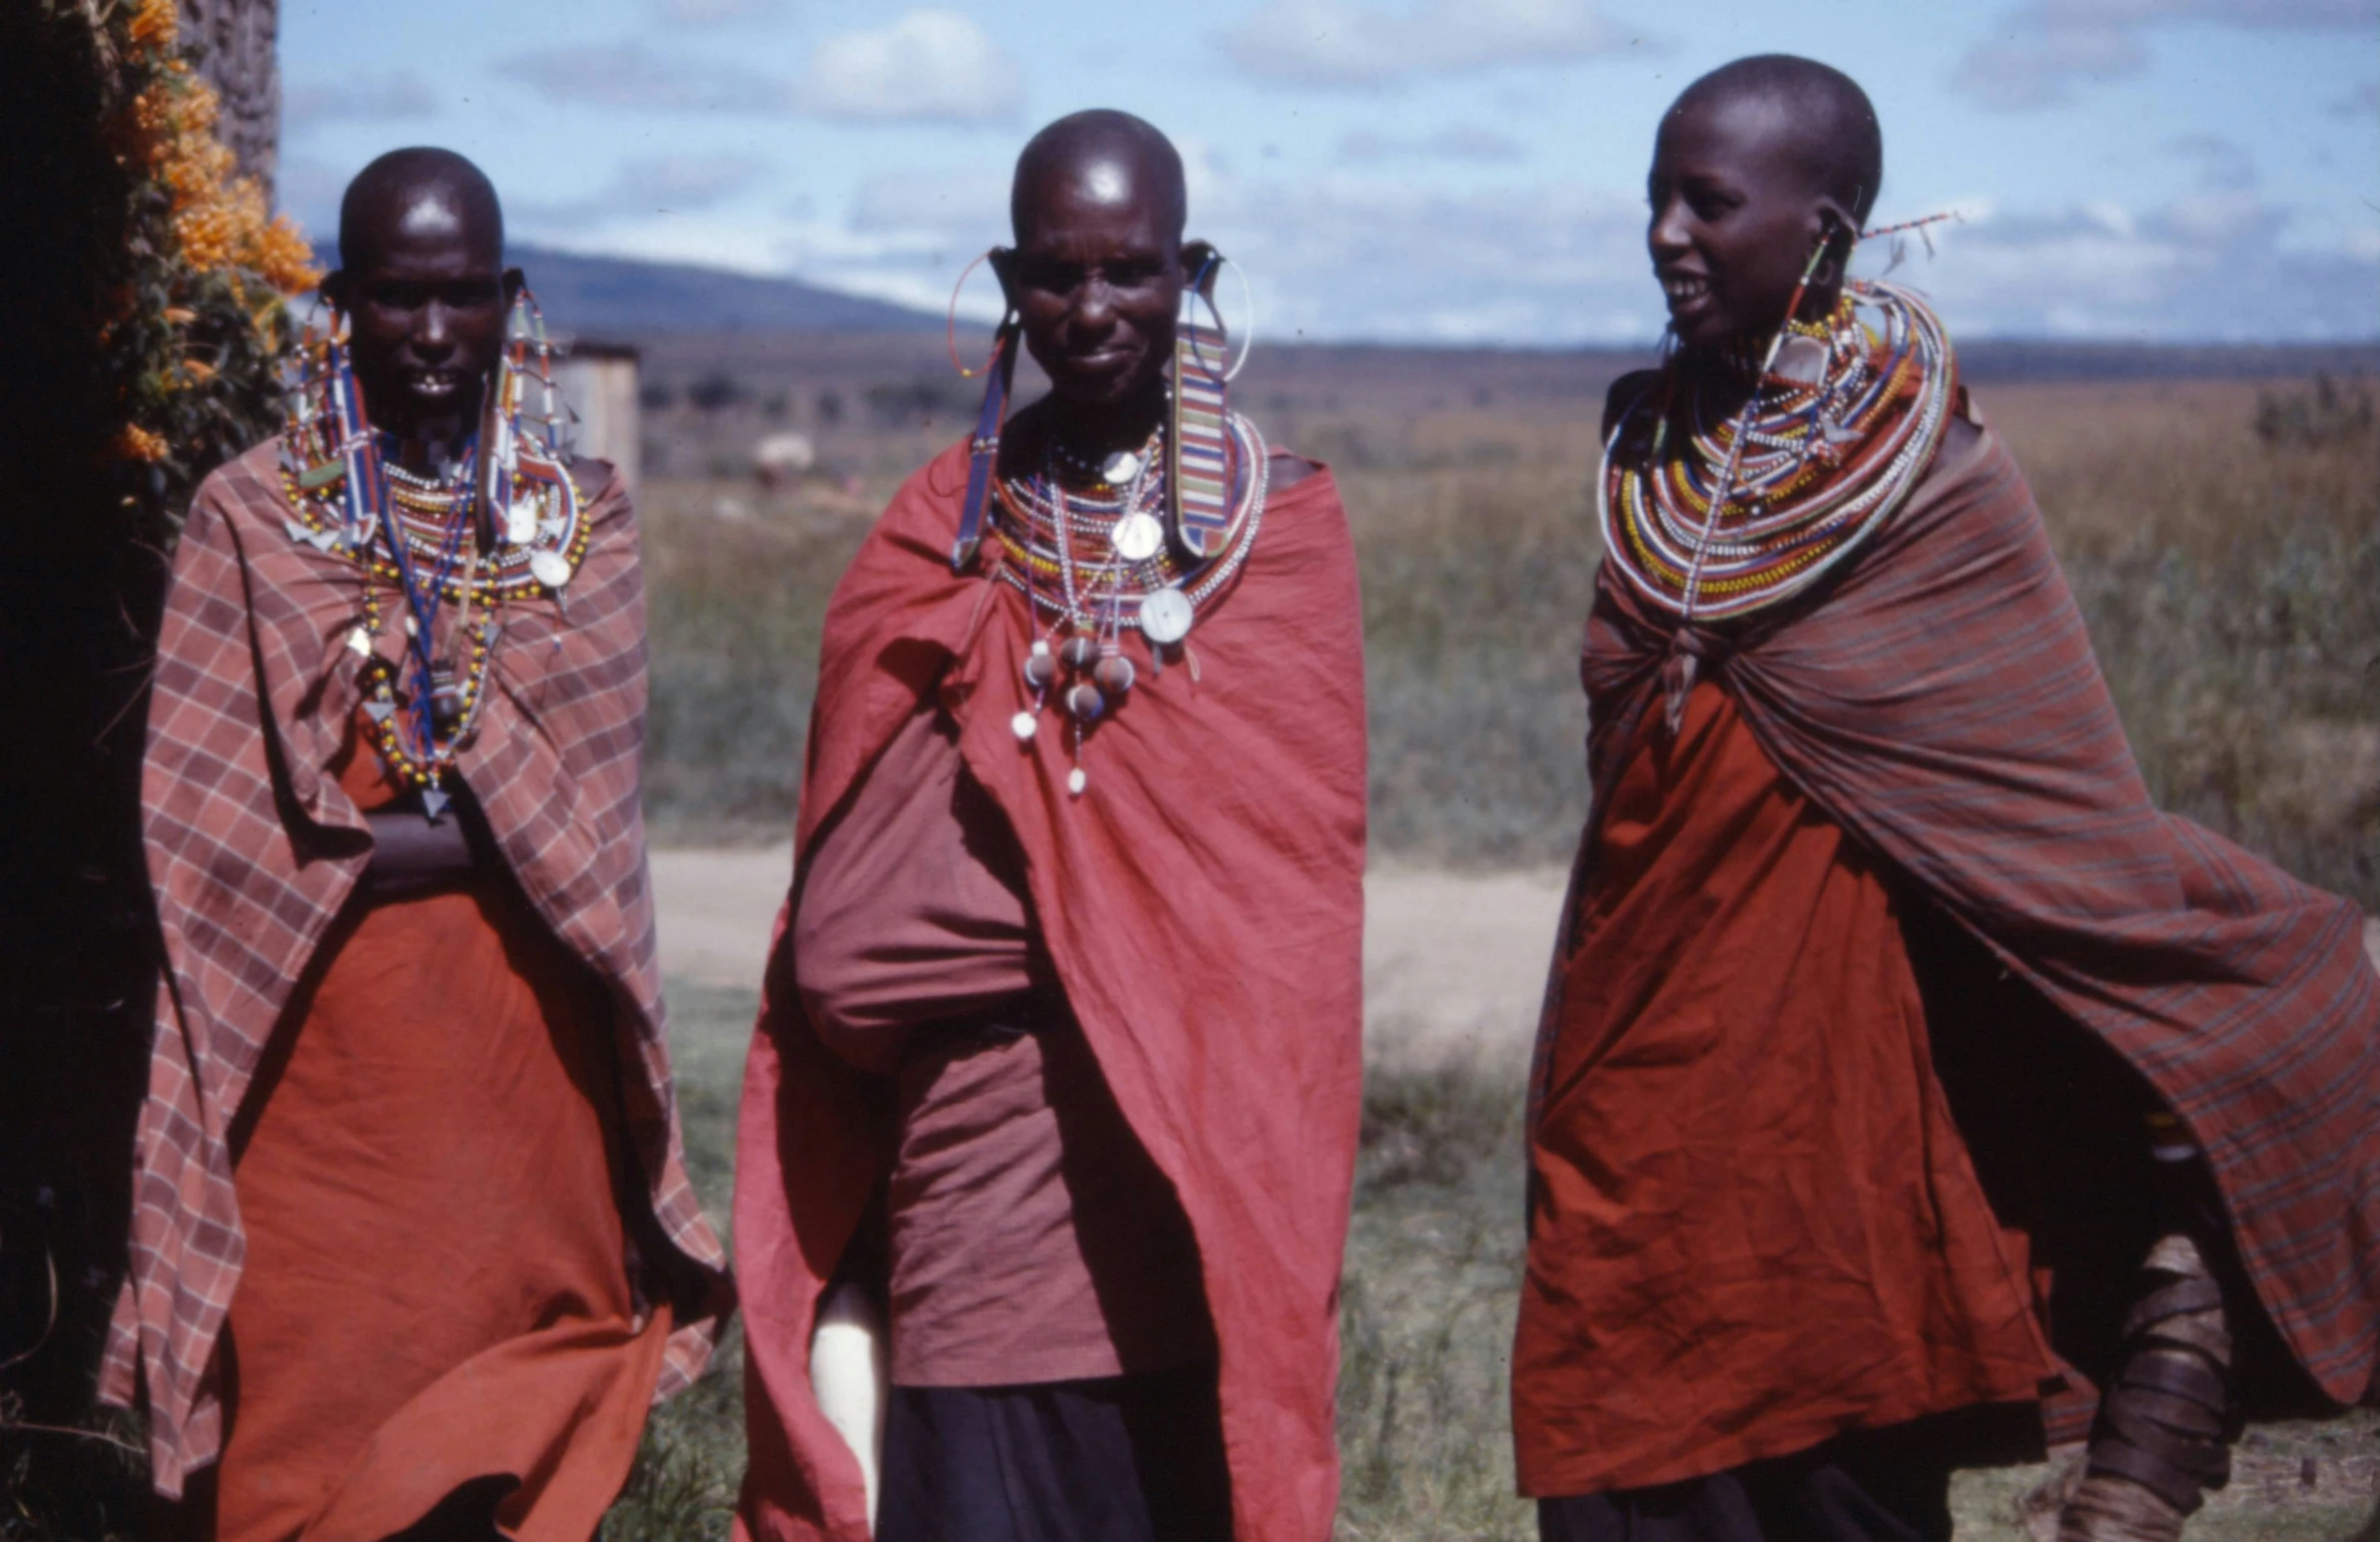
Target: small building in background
{"type": "Point", "coordinates": [599, 380]}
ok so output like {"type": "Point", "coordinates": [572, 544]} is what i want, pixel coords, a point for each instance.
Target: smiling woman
{"type": "Point", "coordinates": [1058, 1063]}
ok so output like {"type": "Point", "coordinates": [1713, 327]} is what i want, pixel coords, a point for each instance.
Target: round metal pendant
{"type": "Point", "coordinates": [549, 568]}
{"type": "Point", "coordinates": [1165, 616]}
{"type": "Point", "coordinates": [1119, 468]}
{"type": "Point", "coordinates": [1136, 537]}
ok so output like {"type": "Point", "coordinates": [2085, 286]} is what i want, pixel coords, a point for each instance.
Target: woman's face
{"type": "Point", "coordinates": [1096, 277]}
{"type": "Point", "coordinates": [1735, 217]}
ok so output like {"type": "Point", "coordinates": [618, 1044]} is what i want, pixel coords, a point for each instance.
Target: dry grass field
{"type": "Point", "coordinates": [2230, 578]}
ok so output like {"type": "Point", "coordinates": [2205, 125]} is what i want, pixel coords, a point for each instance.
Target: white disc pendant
{"type": "Point", "coordinates": [1136, 537]}
{"type": "Point", "coordinates": [521, 523]}
{"type": "Point", "coordinates": [549, 568]}
{"type": "Point", "coordinates": [1165, 616]}
{"type": "Point", "coordinates": [1024, 726]}
{"type": "Point", "coordinates": [1119, 468]}
{"type": "Point", "coordinates": [1076, 780]}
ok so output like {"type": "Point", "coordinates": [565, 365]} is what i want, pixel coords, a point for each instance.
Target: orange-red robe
{"type": "Point", "coordinates": [1753, 1223]}
{"type": "Point", "coordinates": [436, 1285]}
{"type": "Point", "coordinates": [1202, 906]}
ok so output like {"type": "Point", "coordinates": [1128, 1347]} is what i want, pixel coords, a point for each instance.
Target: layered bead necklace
{"type": "Point", "coordinates": [1096, 565]}
{"type": "Point", "coordinates": [478, 534]}
{"type": "Point", "coordinates": [1739, 515]}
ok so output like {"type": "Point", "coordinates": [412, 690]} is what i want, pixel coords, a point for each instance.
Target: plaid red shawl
{"type": "Point", "coordinates": [1942, 703]}
{"type": "Point", "coordinates": [253, 849]}
{"type": "Point", "coordinates": [1203, 902]}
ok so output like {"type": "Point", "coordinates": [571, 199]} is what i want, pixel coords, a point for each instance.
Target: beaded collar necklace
{"type": "Point", "coordinates": [480, 533]}
{"type": "Point", "coordinates": [1735, 516]}
{"type": "Point", "coordinates": [1096, 564]}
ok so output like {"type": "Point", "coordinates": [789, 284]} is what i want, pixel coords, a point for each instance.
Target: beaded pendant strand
{"type": "Point", "coordinates": [1096, 565]}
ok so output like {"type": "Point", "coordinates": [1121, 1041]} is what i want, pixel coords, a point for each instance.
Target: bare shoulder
{"type": "Point", "coordinates": [1286, 470]}
{"type": "Point", "coordinates": [1623, 395]}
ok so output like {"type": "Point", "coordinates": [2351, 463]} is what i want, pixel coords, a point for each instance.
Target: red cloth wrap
{"type": "Point", "coordinates": [253, 847]}
{"type": "Point", "coordinates": [1941, 702]}
{"type": "Point", "coordinates": [1202, 903]}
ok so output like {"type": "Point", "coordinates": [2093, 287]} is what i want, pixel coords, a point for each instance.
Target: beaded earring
{"type": "Point", "coordinates": [983, 450]}
{"type": "Point", "coordinates": [1200, 478]}
{"type": "Point", "coordinates": [504, 517]}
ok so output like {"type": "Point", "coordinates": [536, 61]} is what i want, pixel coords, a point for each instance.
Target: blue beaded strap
{"type": "Point", "coordinates": [984, 451]}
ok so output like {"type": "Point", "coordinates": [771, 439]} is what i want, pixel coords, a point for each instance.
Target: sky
{"type": "Point", "coordinates": [1408, 170]}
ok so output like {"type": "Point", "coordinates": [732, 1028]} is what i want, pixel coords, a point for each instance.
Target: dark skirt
{"type": "Point", "coordinates": [1117, 1460]}
{"type": "Point", "coordinates": [1886, 1485]}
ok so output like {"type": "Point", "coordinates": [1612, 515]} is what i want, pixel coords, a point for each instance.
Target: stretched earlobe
{"type": "Point", "coordinates": [516, 284]}
{"type": "Point", "coordinates": [1203, 264]}
{"type": "Point", "coordinates": [1003, 268]}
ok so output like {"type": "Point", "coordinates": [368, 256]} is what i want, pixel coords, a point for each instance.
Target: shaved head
{"type": "Point", "coordinates": [1836, 137]}
{"type": "Point", "coordinates": [1101, 157]}
{"type": "Point", "coordinates": [419, 194]}
{"type": "Point", "coordinates": [422, 282]}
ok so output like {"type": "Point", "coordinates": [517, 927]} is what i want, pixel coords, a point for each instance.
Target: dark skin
{"type": "Point", "coordinates": [427, 293]}
{"type": "Point", "coordinates": [1097, 279]}
{"type": "Point", "coordinates": [1738, 209]}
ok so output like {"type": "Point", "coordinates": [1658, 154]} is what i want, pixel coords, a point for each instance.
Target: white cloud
{"type": "Point", "coordinates": [709, 13]}
{"type": "Point", "coordinates": [1368, 252]}
{"type": "Point", "coordinates": [928, 66]}
{"type": "Point", "coordinates": [1346, 43]}
{"type": "Point", "coordinates": [644, 188]}
{"type": "Point", "coordinates": [2043, 50]}
{"type": "Point", "coordinates": [2222, 163]}
{"type": "Point", "coordinates": [2212, 263]}
{"type": "Point", "coordinates": [1454, 141]}
{"type": "Point", "coordinates": [624, 75]}
{"type": "Point", "coordinates": [398, 97]}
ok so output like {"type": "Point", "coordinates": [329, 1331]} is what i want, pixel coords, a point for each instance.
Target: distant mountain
{"type": "Point", "coordinates": [598, 296]}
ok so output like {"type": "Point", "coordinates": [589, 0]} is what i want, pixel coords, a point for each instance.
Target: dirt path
{"type": "Point", "coordinates": [1452, 964]}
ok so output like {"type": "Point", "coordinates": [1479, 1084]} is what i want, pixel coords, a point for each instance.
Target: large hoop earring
{"type": "Point", "coordinates": [1248, 325]}
{"type": "Point", "coordinates": [1000, 338]}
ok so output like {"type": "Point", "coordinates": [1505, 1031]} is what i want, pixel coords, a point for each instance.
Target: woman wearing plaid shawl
{"type": "Point", "coordinates": [413, 1247]}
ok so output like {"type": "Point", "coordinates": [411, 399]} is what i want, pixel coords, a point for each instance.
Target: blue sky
{"type": "Point", "coordinates": [1458, 171]}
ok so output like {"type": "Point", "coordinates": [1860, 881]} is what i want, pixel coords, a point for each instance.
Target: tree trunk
{"type": "Point", "coordinates": [233, 43]}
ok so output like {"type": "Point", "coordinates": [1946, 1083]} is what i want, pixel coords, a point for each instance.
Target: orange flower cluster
{"type": "Point", "coordinates": [220, 219]}
{"type": "Point", "coordinates": [217, 221]}
{"type": "Point", "coordinates": [132, 443]}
